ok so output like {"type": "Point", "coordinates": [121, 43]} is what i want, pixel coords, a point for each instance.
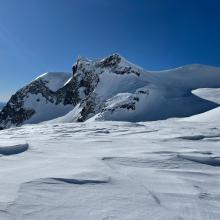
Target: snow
{"type": "Point", "coordinates": [211, 94]}
{"type": "Point", "coordinates": [112, 170]}
{"type": "Point", "coordinates": [177, 92]}
{"type": "Point", "coordinates": [55, 80]}
{"type": "Point", "coordinates": [44, 110]}
{"type": "Point", "coordinates": [209, 116]}
{"type": "Point", "coordinates": [104, 169]}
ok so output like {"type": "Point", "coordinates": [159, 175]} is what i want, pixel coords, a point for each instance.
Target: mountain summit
{"type": "Point", "coordinates": [111, 89]}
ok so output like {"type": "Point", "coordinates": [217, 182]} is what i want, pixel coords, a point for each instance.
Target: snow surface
{"type": "Point", "coordinates": [162, 170]}
{"type": "Point", "coordinates": [209, 116]}
{"type": "Point", "coordinates": [44, 110]}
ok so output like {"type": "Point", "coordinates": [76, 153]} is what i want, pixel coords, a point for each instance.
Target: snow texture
{"type": "Point", "coordinates": [163, 170]}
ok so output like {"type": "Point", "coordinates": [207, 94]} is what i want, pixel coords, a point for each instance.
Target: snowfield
{"type": "Point", "coordinates": [165, 170]}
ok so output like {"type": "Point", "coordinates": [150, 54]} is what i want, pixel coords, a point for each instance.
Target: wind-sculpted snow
{"type": "Point", "coordinates": [212, 161]}
{"type": "Point", "coordinates": [80, 179]}
{"type": "Point", "coordinates": [113, 89]}
{"type": "Point", "coordinates": [14, 149]}
{"type": "Point", "coordinates": [164, 170]}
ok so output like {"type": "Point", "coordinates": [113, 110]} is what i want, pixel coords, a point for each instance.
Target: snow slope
{"type": "Point", "coordinates": [162, 170]}
{"type": "Point", "coordinates": [37, 101]}
{"type": "Point", "coordinates": [44, 109]}
{"type": "Point", "coordinates": [209, 116]}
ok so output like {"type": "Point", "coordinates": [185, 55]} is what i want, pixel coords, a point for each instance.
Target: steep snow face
{"type": "Point", "coordinates": [112, 89]}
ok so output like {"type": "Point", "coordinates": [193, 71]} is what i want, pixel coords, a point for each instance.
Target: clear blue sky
{"type": "Point", "coordinates": [37, 36]}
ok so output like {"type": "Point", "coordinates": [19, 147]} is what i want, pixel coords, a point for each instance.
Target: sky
{"type": "Point", "coordinates": [38, 36]}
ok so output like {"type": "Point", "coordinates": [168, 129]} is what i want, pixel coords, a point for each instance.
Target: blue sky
{"type": "Point", "coordinates": [37, 36]}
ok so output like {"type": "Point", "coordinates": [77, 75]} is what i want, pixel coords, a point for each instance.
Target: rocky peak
{"type": "Point", "coordinates": [111, 61]}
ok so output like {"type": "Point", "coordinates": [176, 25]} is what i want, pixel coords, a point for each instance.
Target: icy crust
{"type": "Point", "coordinates": [111, 89]}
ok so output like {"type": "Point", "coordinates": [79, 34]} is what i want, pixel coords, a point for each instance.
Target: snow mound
{"type": "Point", "coordinates": [15, 149]}
{"type": "Point", "coordinates": [208, 94]}
{"type": "Point", "coordinates": [212, 116]}
{"type": "Point", "coordinates": [198, 137]}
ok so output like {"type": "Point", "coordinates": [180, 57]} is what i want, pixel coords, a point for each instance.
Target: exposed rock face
{"type": "Point", "coordinates": [110, 89]}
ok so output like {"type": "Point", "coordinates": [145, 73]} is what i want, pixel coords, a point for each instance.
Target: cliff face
{"type": "Point", "coordinates": [110, 89]}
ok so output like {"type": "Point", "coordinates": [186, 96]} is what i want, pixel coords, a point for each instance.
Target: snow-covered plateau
{"type": "Point", "coordinates": [113, 142]}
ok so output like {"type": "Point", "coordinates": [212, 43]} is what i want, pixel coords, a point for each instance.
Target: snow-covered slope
{"type": "Point", "coordinates": [111, 89]}
{"type": "Point", "coordinates": [209, 116]}
{"type": "Point", "coordinates": [162, 170]}
{"type": "Point", "coordinates": [125, 92]}
{"type": "Point", "coordinates": [37, 101]}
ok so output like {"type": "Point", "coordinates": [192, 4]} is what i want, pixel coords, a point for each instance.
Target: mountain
{"type": "Point", "coordinates": [111, 89]}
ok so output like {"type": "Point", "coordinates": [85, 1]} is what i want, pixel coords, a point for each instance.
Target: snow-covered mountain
{"type": "Point", "coordinates": [111, 89]}
{"type": "Point", "coordinates": [158, 170]}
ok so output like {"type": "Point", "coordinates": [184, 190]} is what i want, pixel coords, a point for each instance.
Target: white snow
{"type": "Point", "coordinates": [44, 110]}
{"type": "Point", "coordinates": [209, 116]}
{"type": "Point", "coordinates": [158, 170]}
{"type": "Point", "coordinates": [55, 80]}
{"type": "Point", "coordinates": [112, 170]}
{"type": "Point", "coordinates": [169, 93]}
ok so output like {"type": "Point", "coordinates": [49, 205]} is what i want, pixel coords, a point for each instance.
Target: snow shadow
{"type": "Point", "coordinates": [14, 149]}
